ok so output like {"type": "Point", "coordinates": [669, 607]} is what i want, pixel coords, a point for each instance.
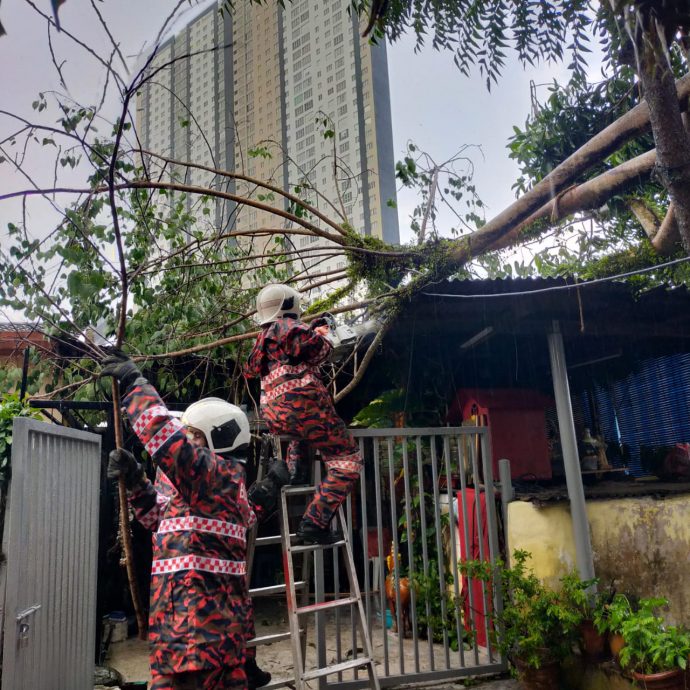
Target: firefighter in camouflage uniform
{"type": "Point", "coordinates": [294, 401]}
{"type": "Point", "coordinates": [200, 615]}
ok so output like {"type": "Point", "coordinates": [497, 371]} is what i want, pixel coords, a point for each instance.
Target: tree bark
{"type": "Point", "coordinates": [670, 136]}
{"type": "Point", "coordinates": [645, 217]}
{"type": "Point", "coordinates": [667, 240]}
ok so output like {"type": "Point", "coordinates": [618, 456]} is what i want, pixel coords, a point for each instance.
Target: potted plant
{"type": "Point", "coordinates": [656, 654]}
{"type": "Point", "coordinates": [536, 628]}
{"type": "Point", "coordinates": [618, 610]}
{"type": "Point", "coordinates": [591, 606]}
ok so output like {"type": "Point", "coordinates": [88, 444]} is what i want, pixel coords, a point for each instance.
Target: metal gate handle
{"type": "Point", "coordinates": [23, 627]}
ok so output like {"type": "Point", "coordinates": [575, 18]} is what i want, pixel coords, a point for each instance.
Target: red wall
{"type": "Point", "coordinates": [517, 427]}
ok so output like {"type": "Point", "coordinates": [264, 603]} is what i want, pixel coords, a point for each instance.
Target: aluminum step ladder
{"type": "Point", "coordinates": [297, 611]}
{"type": "Point", "coordinates": [301, 586]}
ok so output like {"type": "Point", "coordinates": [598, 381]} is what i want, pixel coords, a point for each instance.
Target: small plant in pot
{"type": "Point", "coordinates": [656, 654]}
{"type": "Point", "coordinates": [590, 606]}
{"type": "Point", "coordinates": [618, 610]}
{"type": "Point", "coordinates": [536, 629]}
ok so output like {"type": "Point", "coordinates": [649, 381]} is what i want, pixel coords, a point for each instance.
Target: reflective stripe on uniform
{"type": "Point", "coordinates": [151, 519]}
{"type": "Point", "coordinates": [162, 436]}
{"type": "Point", "coordinates": [287, 386]}
{"type": "Point", "coordinates": [325, 350]}
{"type": "Point", "coordinates": [147, 417]}
{"type": "Point", "coordinates": [344, 465]}
{"type": "Point", "coordinates": [202, 524]}
{"type": "Point", "coordinates": [286, 370]}
{"type": "Point", "coordinates": [194, 562]}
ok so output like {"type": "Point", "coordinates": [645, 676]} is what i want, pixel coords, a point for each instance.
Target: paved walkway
{"type": "Point", "coordinates": [505, 684]}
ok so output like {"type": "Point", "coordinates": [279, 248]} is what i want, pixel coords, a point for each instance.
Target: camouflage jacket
{"type": "Point", "coordinates": [286, 356]}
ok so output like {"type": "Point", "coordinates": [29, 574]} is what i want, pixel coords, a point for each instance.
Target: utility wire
{"type": "Point", "coordinates": [554, 288]}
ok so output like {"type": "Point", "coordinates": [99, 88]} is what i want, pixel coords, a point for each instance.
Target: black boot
{"type": "Point", "coordinates": [256, 678]}
{"type": "Point", "coordinates": [310, 533]}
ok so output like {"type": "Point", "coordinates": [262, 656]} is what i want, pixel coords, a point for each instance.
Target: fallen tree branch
{"type": "Point", "coordinates": [588, 195]}
{"type": "Point", "coordinates": [634, 123]}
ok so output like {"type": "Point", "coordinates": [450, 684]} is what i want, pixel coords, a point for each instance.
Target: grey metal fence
{"type": "Point", "coordinates": [51, 547]}
{"type": "Point", "coordinates": [425, 501]}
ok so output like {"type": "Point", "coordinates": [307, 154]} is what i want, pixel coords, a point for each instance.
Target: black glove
{"type": "Point", "coordinates": [326, 319]}
{"type": "Point", "coordinates": [279, 473]}
{"type": "Point", "coordinates": [321, 321]}
{"type": "Point", "coordinates": [263, 495]}
{"type": "Point", "coordinates": [121, 367]}
{"type": "Point", "coordinates": [121, 463]}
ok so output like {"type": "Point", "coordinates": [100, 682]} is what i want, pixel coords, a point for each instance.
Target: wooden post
{"type": "Point", "coordinates": [125, 534]}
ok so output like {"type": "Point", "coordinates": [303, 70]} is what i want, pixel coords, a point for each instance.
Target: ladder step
{"type": "Point", "coordinates": [301, 548]}
{"type": "Point", "coordinates": [323, 605]}
{"type": "Point", "coordinates": [337, 668]}
{"type": "Point", "coordinates": [298, 490]}
{"type": "Point", "coordinates": [274, 589]}
{"type": "Point", "coordinates": [268, 639]}
{"type": "Point", "coordinates": [267, 541]}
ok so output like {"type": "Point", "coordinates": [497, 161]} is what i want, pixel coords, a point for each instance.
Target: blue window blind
{"type": "Point", "coordinates": [648, 408]}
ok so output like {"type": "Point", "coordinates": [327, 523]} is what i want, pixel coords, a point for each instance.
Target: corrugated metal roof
{"type": "Point", "coordinates": [19, 327]}
{"type": "Point", "coordinates": [530, 305]}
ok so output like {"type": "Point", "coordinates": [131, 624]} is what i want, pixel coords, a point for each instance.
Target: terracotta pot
{"type": "Point", "coordinates": [593, 642]}
{"type": "Point", "coordinates": [666, 680]}
{"type": "Point", "coordinates": [544, 678]}
{"type": "Point", "coordinates": [616, 643]}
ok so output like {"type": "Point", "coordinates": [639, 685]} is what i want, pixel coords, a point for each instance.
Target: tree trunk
{"type": "Point", "coordinates": [670, 137]}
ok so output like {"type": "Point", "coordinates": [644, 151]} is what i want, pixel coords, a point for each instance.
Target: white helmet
{"type": "Point", "coordinates": [225, 425]}
{"type": "Point", "coordinates": [275, 301]}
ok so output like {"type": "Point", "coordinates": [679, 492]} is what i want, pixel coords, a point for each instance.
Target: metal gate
{"type": "Point", "coordinates": [51, 548]}
{"type": "Point", "coordinates": [425, 501]}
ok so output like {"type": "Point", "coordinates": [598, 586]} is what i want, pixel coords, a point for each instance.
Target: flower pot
{"type": "Point", "coordinates": [666, 680]}
{"type": "Point", "coordinates": [544, 678]}
{"type": "Point", "coordinates": [616, 643]}
{"type": "Point", "coordinates": [592, 642]}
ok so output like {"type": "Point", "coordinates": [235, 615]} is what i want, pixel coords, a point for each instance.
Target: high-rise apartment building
{"type": "Point", "coordinates": [267, 76]}
{"type": "Point", "coordinates": [184, 110]}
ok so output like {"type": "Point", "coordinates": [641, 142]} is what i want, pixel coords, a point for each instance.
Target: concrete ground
{"type": "Point", "coordinates": [130, 657]}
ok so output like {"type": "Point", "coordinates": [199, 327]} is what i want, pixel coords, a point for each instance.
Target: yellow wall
{"type": "Point", "coordinates": [641, 543]}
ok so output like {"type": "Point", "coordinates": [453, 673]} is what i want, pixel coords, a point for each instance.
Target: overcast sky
{"type": "Point", "coordinates": [432, 103]}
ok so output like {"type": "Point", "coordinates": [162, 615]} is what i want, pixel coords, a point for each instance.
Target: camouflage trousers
{"type": "Point", "coordinates": [308, 413]}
